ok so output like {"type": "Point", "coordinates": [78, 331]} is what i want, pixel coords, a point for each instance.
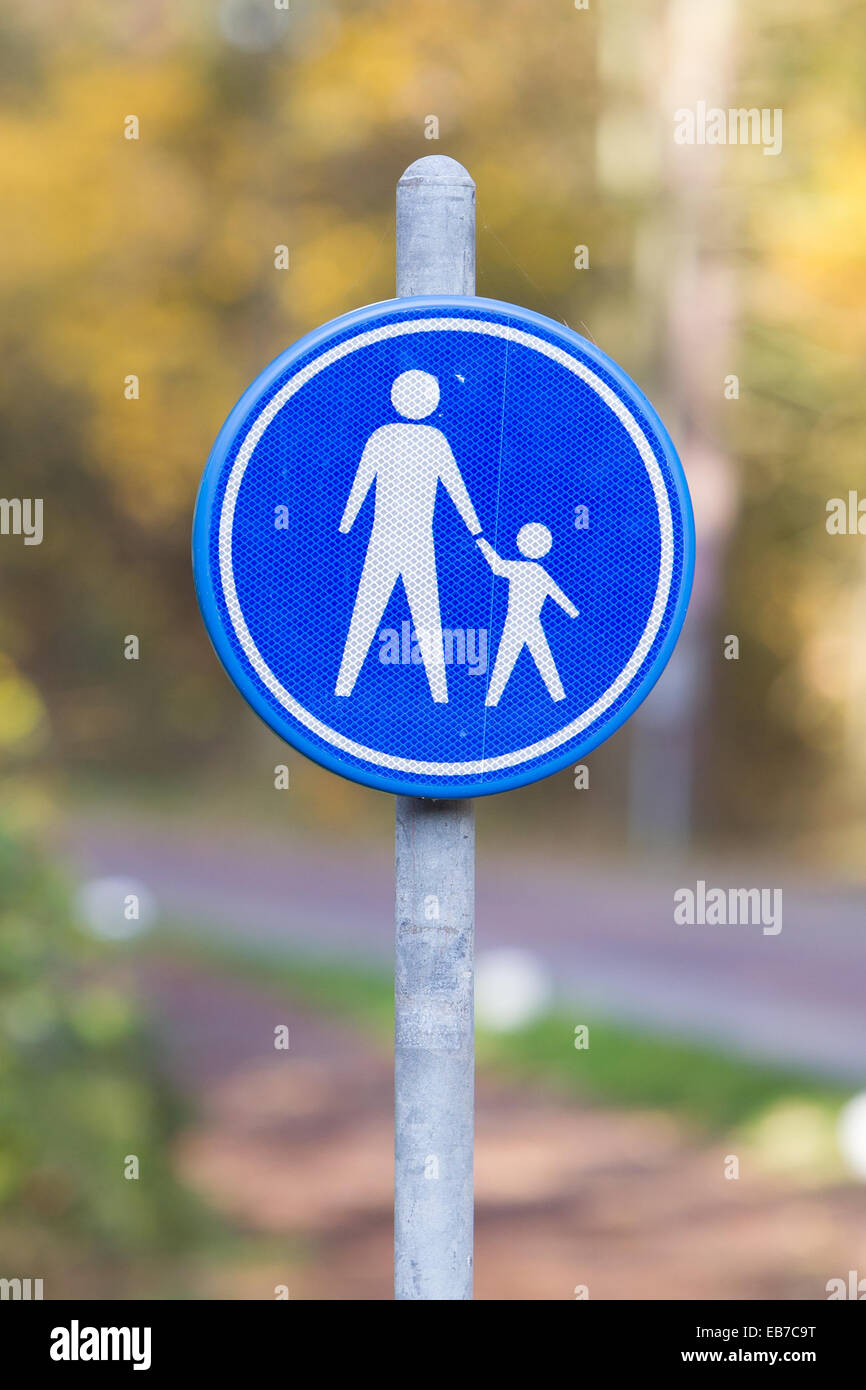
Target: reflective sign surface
{"type": "Point", "coordinates": [443, 546]}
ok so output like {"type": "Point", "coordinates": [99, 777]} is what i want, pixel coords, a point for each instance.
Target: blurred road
{"type": "Point", "coordinates": [607, 934]}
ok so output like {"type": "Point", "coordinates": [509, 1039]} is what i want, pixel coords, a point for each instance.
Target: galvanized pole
{"type": "Point", "coordinates": [434, 1054]}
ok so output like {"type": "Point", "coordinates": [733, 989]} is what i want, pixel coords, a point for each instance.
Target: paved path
{"type": "Point", "coordinates": [607, 934]}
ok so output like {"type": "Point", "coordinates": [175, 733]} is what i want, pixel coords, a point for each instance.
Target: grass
{"type": "Point", "coordinates": [623, 1065]}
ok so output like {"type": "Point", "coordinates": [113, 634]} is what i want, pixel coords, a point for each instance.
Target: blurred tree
{"type": "Point", "coordinates": [155, 257]}
{"type": "Point", "coordinates": [78, 1093]}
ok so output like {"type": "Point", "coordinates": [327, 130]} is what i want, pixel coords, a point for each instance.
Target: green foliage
{"type": "Point", "coordinates": [78, 1091]}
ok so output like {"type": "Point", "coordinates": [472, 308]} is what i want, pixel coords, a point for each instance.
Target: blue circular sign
{"type": "Point", "coordinates": [443, 546]}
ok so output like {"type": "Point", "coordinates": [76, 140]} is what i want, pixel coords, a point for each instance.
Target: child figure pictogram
{"type": "Point", "coordinates": [529, 585]}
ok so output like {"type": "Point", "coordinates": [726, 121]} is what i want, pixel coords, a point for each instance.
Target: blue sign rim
{"type": "Point", "coordinates": [245, 682]}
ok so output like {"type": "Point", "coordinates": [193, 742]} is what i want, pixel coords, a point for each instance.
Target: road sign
{"type": "Point", "coordinates": [443, 546]}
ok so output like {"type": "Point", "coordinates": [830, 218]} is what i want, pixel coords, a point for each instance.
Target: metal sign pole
{"type": "Point", "coordinates": [434, 1053]}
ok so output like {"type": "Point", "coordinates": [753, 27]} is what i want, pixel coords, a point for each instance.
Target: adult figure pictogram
{"type": "Point", "coordinates": [406, 462]}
